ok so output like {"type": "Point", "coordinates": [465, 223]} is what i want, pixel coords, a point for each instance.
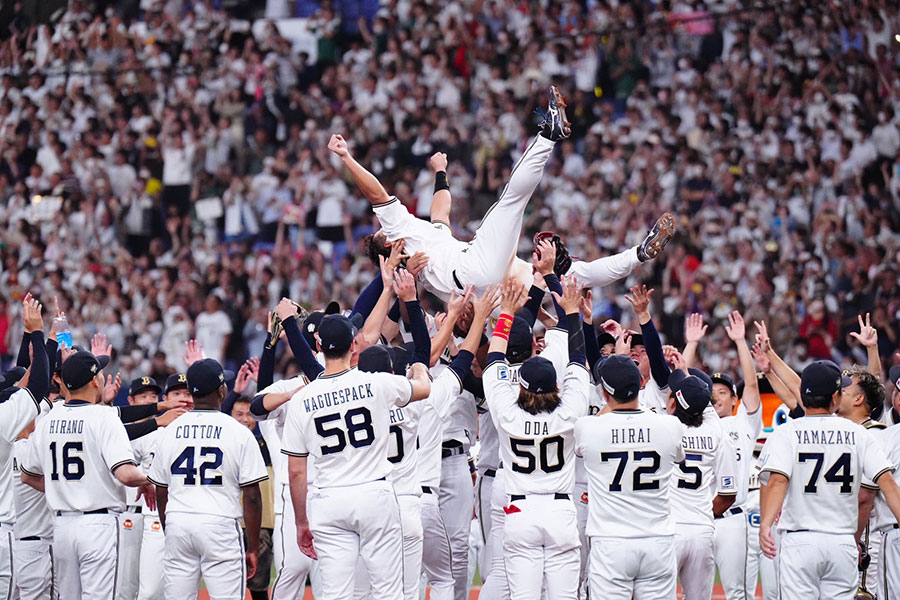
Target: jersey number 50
{"type": "Point", "coordinates": [523, 449]}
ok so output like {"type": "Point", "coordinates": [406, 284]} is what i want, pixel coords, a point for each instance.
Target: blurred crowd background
{"type": "Point", "coordinates": [164, 172]}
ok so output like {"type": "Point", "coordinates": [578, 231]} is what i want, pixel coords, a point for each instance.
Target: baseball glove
{"type": "Point", "coordinates": [563, 260]}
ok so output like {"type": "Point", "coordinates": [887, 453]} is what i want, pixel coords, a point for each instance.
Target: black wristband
{"type": "Point", "coordinates": [441, 182]}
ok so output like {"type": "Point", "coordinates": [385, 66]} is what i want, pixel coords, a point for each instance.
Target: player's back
{"type": "Point", "coordinates": [435, 409]}
{"type": "Point", "coordinates": [78, 446]}
{"type": "Point", "coordinates": [708, 468]}
{"type": "Point", "coordinates": [825, 458]}
{"type": "Point", "coordinates": [204, 457]}
{"type": "Point", "coordinates": [743, 429]}
{"type": "Point", "coordinates": [630, 457]}
{"type": "Point", "coordinates": [343, 421]}
{"type": "Point", "coordinates": [404, 430]}
{"type": "Point", "coordinates": [33, 517]}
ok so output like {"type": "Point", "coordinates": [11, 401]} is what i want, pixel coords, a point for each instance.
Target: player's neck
{"type": "Point", "coordinates": [626, 406]}
{"type": "Point", "coordinates": [333, 366]}
{"type": "Point", "coordinates": [81, 398]}
{"type": "Point", "coordinates": [818, 411]}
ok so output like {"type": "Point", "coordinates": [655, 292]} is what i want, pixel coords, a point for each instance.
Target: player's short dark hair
{"type": "Point", "coordinates": [374, 246]}
{"type": "Point", "coordinates": [536, 404]}
{"type": "Point", "coordinates": [870, 386]}
{"type": "Point", "coordinates": [335, 354]}
{"type": "Point", "coordinates": [687, 419]}
{"type": "Point", "coordinates": [810, 401]}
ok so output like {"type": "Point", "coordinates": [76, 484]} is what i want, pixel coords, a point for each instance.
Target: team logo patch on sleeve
{"type": "Point", "coordinates": [728, 483]}
{"type": "Point", "coordinates": [503, 374]}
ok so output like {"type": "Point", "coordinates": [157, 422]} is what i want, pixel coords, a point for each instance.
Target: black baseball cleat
{"type": "Point", "coordinates": [656, 240]}
{"type": "Point", "coordinates": [555, 127]}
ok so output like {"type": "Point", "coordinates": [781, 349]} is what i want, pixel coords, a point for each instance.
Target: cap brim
{"type": "Point", "coordinates": [144, 388]}
{"type": "Point", "coordinates": [846, 381]}
{"type": "Point", "coordinates": [333, 308]}
{"type": "Point", "coordinates": [229, 375]}
{"type": "Point", "coordinates": [103, 360]}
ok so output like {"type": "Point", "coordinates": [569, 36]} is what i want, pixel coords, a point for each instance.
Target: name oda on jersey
{"type": "Point", "coordinates": [825, 437]}
{"type": "Point", "coordinates": [64, 426]}
{"type": "Point", "coordinates": [336, 397]}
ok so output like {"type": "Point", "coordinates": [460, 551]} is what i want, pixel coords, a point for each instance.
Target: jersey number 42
{"type": "Point", "coordinates": [208, 471]}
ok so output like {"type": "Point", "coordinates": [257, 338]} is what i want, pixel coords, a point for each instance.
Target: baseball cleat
{"type": "Point", "coordinates": [554, 125]}
{"type": "Point", "coordinates": [657, 238]}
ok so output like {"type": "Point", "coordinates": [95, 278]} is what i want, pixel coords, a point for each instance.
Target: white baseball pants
{"type": "Point", "coordinates": [581, 514]}
{"type": "Point", "coordinates": [358, 521]}
{"type": "Point", "coordinates": [642, 568]}
{"type": "Point", "coordinates": [757, 563]}
{"type": "Point", "coordinates": [483, 486]}
{"type": "Point", "coordinates": [815, 565]}
{"type": "Point", "coordinates": [153, 546]}
{"type": "Point", "coordinates": [489, 256]}
{"type": "Point", "coordinates": [873, 582]}
{"type": "Point", "coordinates": [411, 523]}
{"type": "Point", "coordinates": [131, 532]}
{"type": "Point", "coordinates": [86, 550]}
{"type": "Point", "coordinates": [457, 501]}
{"type": "Point", "coordinates": [292, 566]}
{"type": "Point", "coordinates": [7, 582]}
{"type": "Point", "coordinates": [206, 546]}
{"type": "Point", "coordinates": [695, 556]}
{"type": "Point", "coordinates": [889, 565]}
{"type": "Point", "coordinates": [496, 587]}
{"type": "Point", "coordinates": [731, 555]}
{"type": "Point", "coordinates": [606, 270]}
{"type": "Point", "coordinates": [540, 544]}
{"type": "Point", "coordinates": [34, 573]}
{"type": "Point", "coordinates": [436, 555]}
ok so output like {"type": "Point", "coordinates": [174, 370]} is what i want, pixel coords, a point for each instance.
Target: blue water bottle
{"type": "Point", "coordinates": [63, 335]}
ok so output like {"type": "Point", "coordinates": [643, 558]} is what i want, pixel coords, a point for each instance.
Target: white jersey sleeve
{"type": "Point", "coordinates": [653, 398]}
{"type": "Point", "coordinates": [116, 448]}
{"type": "Point", "coordinates": [557, 352]}
{"type": "Point", "coordinates": [252, 468]}
{"type": "Point", "coordinates": [279, 387]}
{"type": "Point", "coordinates": [576, 390]}
{"type": "Point", "coordinates": [18, 411]}
{"type": "Point", "coordinates": [777, 455]}
{"type": "Point", "coordinates": [726, 469]}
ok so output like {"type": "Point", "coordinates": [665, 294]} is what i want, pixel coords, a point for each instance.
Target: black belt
{"type": "Point", "coordinates": [895, 526]}
{"type": "Point", "coordinates": [30, 538]}
{"type": "Point", "coordinates": [99, 511]}
{"type": "Point", "coordinates": [515, 497]}
{"type": "Point", "coordinates": [135, 509]}
{"type": "Point", "coordinates": [731, 511]}
{"type": "Point", "coordinates": [797, 531]}
{"type": "Point", "coordinates": [456, 280]}
{"type": "Point", "coordinates": [490, 473]}
{"type": "Point", "coordinates": [426, 490]}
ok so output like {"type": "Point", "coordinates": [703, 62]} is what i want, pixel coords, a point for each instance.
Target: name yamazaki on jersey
{"type": "Point", "coordinates": [826, 437]}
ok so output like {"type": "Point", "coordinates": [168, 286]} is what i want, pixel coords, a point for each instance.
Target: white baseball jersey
{"type": "Point", "coordinates": [33, 517]}
{"type": "Point", "coordinates": [204, 458]}
{"type": "Point", "coordinates": [631, 457]}
{"type": "Point", "coordinates": [343, 421]}
{"type": "Point", "coordinates": [708, 468]}
{"type": "Point", "coordinates": [743, 429]}
{"type": "Point", "coordinates": [489, 443]}
{"type": "Point", "coordinates": [654, 398]}
{"type": "Point", "coordinates": [15, 414]}
{"type": "Point", "coordinates": [402, 453]}
{"type": "Point", "coordinates": [419, 235]}
{"type": "Point", "coordinates": [444, 389]}
{"type": "Point", "coordinates": [76, 447]}
{"type": "Point", "coordinates": [272, 428]}
{"type": "Point", "coordinates": [144, 449]}
{"type": "Point", "coordinates": [889, 442]}
{"type": "Point", "coordinates": [537, 451]}
{"type": "Point", "coordinates": [825, 458]}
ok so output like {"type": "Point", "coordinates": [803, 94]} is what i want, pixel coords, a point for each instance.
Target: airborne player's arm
{"type": "Point", "coordinates": [441, 201]}
{"type": "Point", "coordinates": [368, 183]}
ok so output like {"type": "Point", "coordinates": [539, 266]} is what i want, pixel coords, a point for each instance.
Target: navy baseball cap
{"type": "Point", "coordinates": [619, 377]}
{"type": "Point", "coordinates": [376, 359]}
{"type": "Point", "coordinates": [80, 368]}
{"type": "Point", "coordinates": [822, 378]}
{"type": "Point", "coordinates": [537, 375]}
{"type": "Point", "coordinates": [725, 379]}
{"type": "Point", "coordinates": [175, 381]}
{"type": "Point", "coordinates": [336, 333]}
{"type": "Point", "coordinates": [11, 377]}
{"type": "Point", "coordinates": [703, 377]}
{"type": "Point", "coordinates": [894, 374]}
{"type": "Point", "coordinates": [637, 339]}
{"type": "Point", "coordinates": [59, 359]}
{"type": "Point", "coordinates": [521, 337]}
{"type": "Point", "coordinates": [142, 384]}
{"type": "Point", "coordinates": [205, 376]}
{"type": "Point", "coordinates": [401, 355]}
{"type": "Point", "coordinates": [604, 338]}
{"type": "Point", "coordinates": [692, 394]}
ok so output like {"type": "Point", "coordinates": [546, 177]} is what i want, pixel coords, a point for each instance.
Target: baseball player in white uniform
{"type": "Point", "coordinates": [490, 256]}
{"type": "Point", "coordinates": [207, 466]}
{"type": "Point", "coordinates": [81, 458]}
{"type": "Point", "coordinates": [883, 525]}
{"type": "Point", "coordinates": [631, 457]}
{"type": "Point", "coordinates": [742, 427]}
{"type": "Point", "coordinates": [704, 485]}
{"type": "Point", "coordinates": [536, 423]}
{"type": "Point", "coordinates": [342, 419]}
{"type": "Point", "coordinates": [812, 468]}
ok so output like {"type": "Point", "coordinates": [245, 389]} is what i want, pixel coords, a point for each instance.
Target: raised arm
{"type": "Point", "coordinates": [454, 309]}
{"type": "Point", "coordinates": [790, 378]}
{"type": "Point", "coordinates": [570, 302]}
{"type": "Point", "coordinates": [737, 333]}
{"type": "Point", "coordinates": [441, 201]}
{"type": "Point", "coordinates": [513, 299]}
{"type": "Point", "coordinates": [694, 330]}
{"type": "Point", "coordinates": [778, 386]}
{"type": "Point", "coordinates": [303, 354]}
{"type": "Point", "coordinates": [405, 288]}
{"type": "Point", "coordinates": [368, 183]}
{"type": "Point", "coordinates": [868, 338]}
{"type": "Point", "coordinates": [640, 301]}
{"type": "Point", "coordinates": [39, 371]}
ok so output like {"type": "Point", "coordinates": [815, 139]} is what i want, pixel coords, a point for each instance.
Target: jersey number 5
{"type": "Point", "coordinates": [184, 465]}
{"type": "Point", "coordinates": [359, 427]}
{"type": "Point", "coordinates": [72, 464]}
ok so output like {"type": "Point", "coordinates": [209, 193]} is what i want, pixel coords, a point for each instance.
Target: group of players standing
{"type": "Point", "coordinates": [608, 467]}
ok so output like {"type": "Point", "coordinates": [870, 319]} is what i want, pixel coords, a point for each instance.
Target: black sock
{"type": "Point", "coordinates": [259, 594]}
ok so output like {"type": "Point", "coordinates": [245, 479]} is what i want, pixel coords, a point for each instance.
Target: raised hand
{"type": "Point", "coordinates": [112, 387]}
{"type": "Point", "coordinates": [338, 145]}
{"type": "Point", "coordinates": [253, 365]}
{"type": "Point", "coordinates": [762, 336]}
{"type": "Point", "coordinates": [548, 320]}
{"type": "Point", "coordinates": [285, 309]}
{"type": "Point", "coordinates": [416, 262]}
{"type": "Point", "coordinates": [587, 307]}
{"type": "Point", "coordinates": [514, 296]}
{"type": "Point", "coordinates": [762, 361]}
{"type": "Point", "coordinates": [170, 415]}
{"type": "Point", "coordinates": [485, 305]}
{"type": "Point", "coordinates": [613, 328]}
{"type": "Point", "coordinates": [570, 301]}
{"type": "Point", "coordinates": [193, 351]}
{"type": "Point", "coordinates": [404, 285]}
{"type": "Point", "coordinates": [397, 254]}
{"type": "Point", "coordinates": [458, 302]}
{"type": "Point", "coordinates": [242, 381]}
{"type": "Point", "coordinates": [640, 299]}
{"type": "Point", "coordinates": [100, 345]}
{"type": "Point", "coordinates": [868, 335]}
{"type": "Point", "coordinates": [31, 314]}
{"type": "Point", "coordinates": [735, 329]}
{"type": "Point", "coordinates": [438, 162]}
{"type": "Point", "coordinates": [676, 360]}
{"type": "Point", "coordinates": [544, 257]}
{"type": "Point", "coordinates": [694, 329]}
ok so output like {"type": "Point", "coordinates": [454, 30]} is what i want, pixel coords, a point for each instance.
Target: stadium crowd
{"type": "Point", "coordinates": [167, 177]}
